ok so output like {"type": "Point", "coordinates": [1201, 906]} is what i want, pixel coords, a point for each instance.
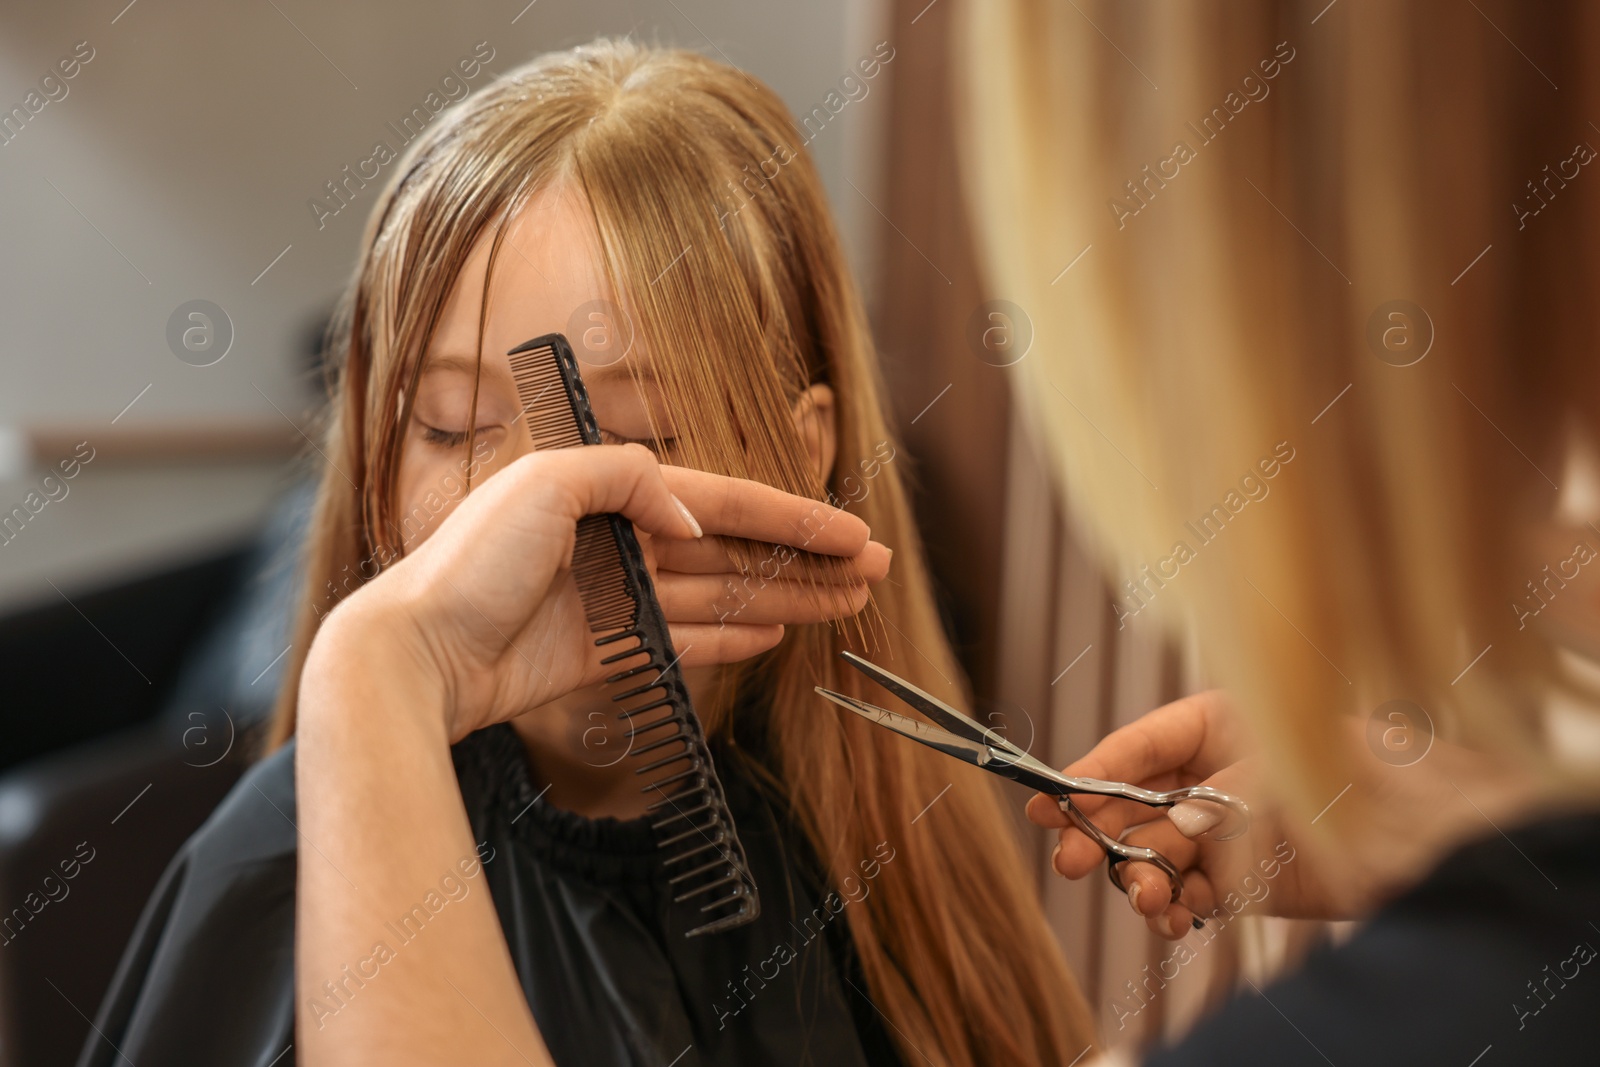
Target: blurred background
{"type": "Point", "coordinates": [179, 215]}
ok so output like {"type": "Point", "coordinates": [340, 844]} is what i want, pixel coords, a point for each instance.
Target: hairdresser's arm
{"type": "Point", "coordinates": [471, 629]}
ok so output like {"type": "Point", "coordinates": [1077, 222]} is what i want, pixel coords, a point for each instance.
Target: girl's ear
{"type": "Point", "coordinates": [814, 417]}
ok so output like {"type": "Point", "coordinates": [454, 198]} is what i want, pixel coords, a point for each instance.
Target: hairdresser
{"type": "Point", "coordinates": [1403, 637]}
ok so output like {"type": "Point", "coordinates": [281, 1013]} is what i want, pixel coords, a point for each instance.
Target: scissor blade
{"type": "Point", "coordinates": [939, 711]}
{"type": "Point", "coordinates": [977, 753]}
{"type": "Point", "coordinates": [927, 703]}
{"type": "Point", "coordinates": [973, 752]}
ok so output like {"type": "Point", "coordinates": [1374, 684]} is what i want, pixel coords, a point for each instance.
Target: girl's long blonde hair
{"type": "Point", "coordinates": [690, 164]}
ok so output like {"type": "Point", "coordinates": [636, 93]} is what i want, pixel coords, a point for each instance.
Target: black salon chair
{"type": "Point", "coordinates": [117, 747]}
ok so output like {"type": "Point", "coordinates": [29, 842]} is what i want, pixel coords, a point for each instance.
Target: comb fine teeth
{"type": "Point", "coordinates": [543, 391]}
{"type": "Point", "coordinates": [608, 602]}
{"type": "Point", "coordinates": [700, 846]}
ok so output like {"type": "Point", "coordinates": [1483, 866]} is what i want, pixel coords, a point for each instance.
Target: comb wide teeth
{"type": "Point", "coordinates": [692, 772]}
{"type": "Point", "coordinates": [720, 862]}
{"type": "Point", "coordinates": [686, 814]}
{"type": "Point", "coordinates": [690, 894]}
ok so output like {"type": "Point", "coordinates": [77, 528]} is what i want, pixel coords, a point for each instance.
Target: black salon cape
{"type": "Point", "coordinates": [209, 975]}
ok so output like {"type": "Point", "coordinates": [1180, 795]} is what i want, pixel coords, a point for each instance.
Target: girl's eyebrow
{"type": "Point", "coordinates": [464, 364]}
{"type": "Point", "coordinates": [460, 364]}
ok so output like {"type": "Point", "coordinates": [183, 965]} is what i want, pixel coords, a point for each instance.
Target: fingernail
{"type": "Point", "coordinates": [1163, 924]}
{"type": "Point", "coordinates": [1133, 897]}
{"type": "Point", "coordinates": [1193, 818]}
{"type": "Point", "coordinates": [688, 516]}
{"type": "Point", "coordinates": [1055, 854]}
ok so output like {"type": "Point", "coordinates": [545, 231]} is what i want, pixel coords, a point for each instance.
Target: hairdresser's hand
{"type": "Point", "coordinates": [485, 620]}
{"type": "Point", "coordinates": [1408, 816]}
{"type": "Point", "coordinates": [705, 593]}
{"type": "Point", "coordinates": [1191, 741]}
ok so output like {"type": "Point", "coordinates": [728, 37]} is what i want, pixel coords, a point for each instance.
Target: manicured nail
{"type": "Point", "coordinates": [1133, 897]}
{"type": "Point", "coordinates": [1055, 854]}
{"type": "Point", "coordinates": [688, 516]}
{"type": "Point", "coordinates": [1163, 925]}
{"type": "Point", "coordinates": [1193, 818]}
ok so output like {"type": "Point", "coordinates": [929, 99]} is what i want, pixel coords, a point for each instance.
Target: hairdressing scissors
{"type": "Point", "coordinates": [982, 747]}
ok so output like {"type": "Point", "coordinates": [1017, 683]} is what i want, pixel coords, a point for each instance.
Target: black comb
{"type": "Point", "coordinates": [705, 860]}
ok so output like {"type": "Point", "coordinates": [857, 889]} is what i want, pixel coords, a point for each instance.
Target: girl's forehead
{"type": "Point", "coordinates": [549, 275]}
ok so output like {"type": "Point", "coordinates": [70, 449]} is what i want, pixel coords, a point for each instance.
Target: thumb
{"type": "Point", "coordinates": [1198, 817]}
{"type": "Point", "coordinates": [616, 478]}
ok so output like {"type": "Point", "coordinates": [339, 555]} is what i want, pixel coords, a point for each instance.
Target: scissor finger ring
{"type": "Point", "coordinates": [1118, 853]}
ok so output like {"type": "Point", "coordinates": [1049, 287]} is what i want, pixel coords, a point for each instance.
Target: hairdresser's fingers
{"type": "Point", "coordinates": [1199, 891]}
{"type": "Point", "coordinates": [735, 507]}
{"type": "Point", "coordinates": [1111, 814]}
{"type": "Point", "coordinates": [1179, 832]}
{"type": "Point", "coordinates": [1181, 743]}
{"type": "Point", "coordinates": [704, 598]}
{"type": "Point", "coordinates": [1150, 896]}
{"type": "Point", "coordinates": [1149, 889]}
{"type": "Point", "coordinates": [1174, 924]}
{"type": "Point", "coordinates": [1077, 854]}
{"type": "Point", "coordinates": [626, 479]}
{"type": "Point", "coordinates": [1194, 733]}
{"type": "Point", "coordinates": [706, 555]}
{"type": "Point", "coordinates": [711, 555]}
{"type": "Point", "coordinates": [706, 646]}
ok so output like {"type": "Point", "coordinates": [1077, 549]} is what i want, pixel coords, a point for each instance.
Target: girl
{"type": "Point", "coordinates": [462, 903]}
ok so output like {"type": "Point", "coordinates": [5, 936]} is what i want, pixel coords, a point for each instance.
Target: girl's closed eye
{"type": "Point", "coordinates": [661, 448]}
{"type": "Point", "coordinates": [442, 438]}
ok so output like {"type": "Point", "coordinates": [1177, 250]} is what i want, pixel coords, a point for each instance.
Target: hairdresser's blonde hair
{"type": "Point", "coordinates": [675, 151]}
{"type": "Point", "coordinates": [1228, 302]}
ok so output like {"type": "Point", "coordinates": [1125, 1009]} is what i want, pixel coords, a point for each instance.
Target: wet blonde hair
{"type": "Point", "coordinates": [673, 151]}
{"type": "Point", "coordinates": [1238, 297]}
